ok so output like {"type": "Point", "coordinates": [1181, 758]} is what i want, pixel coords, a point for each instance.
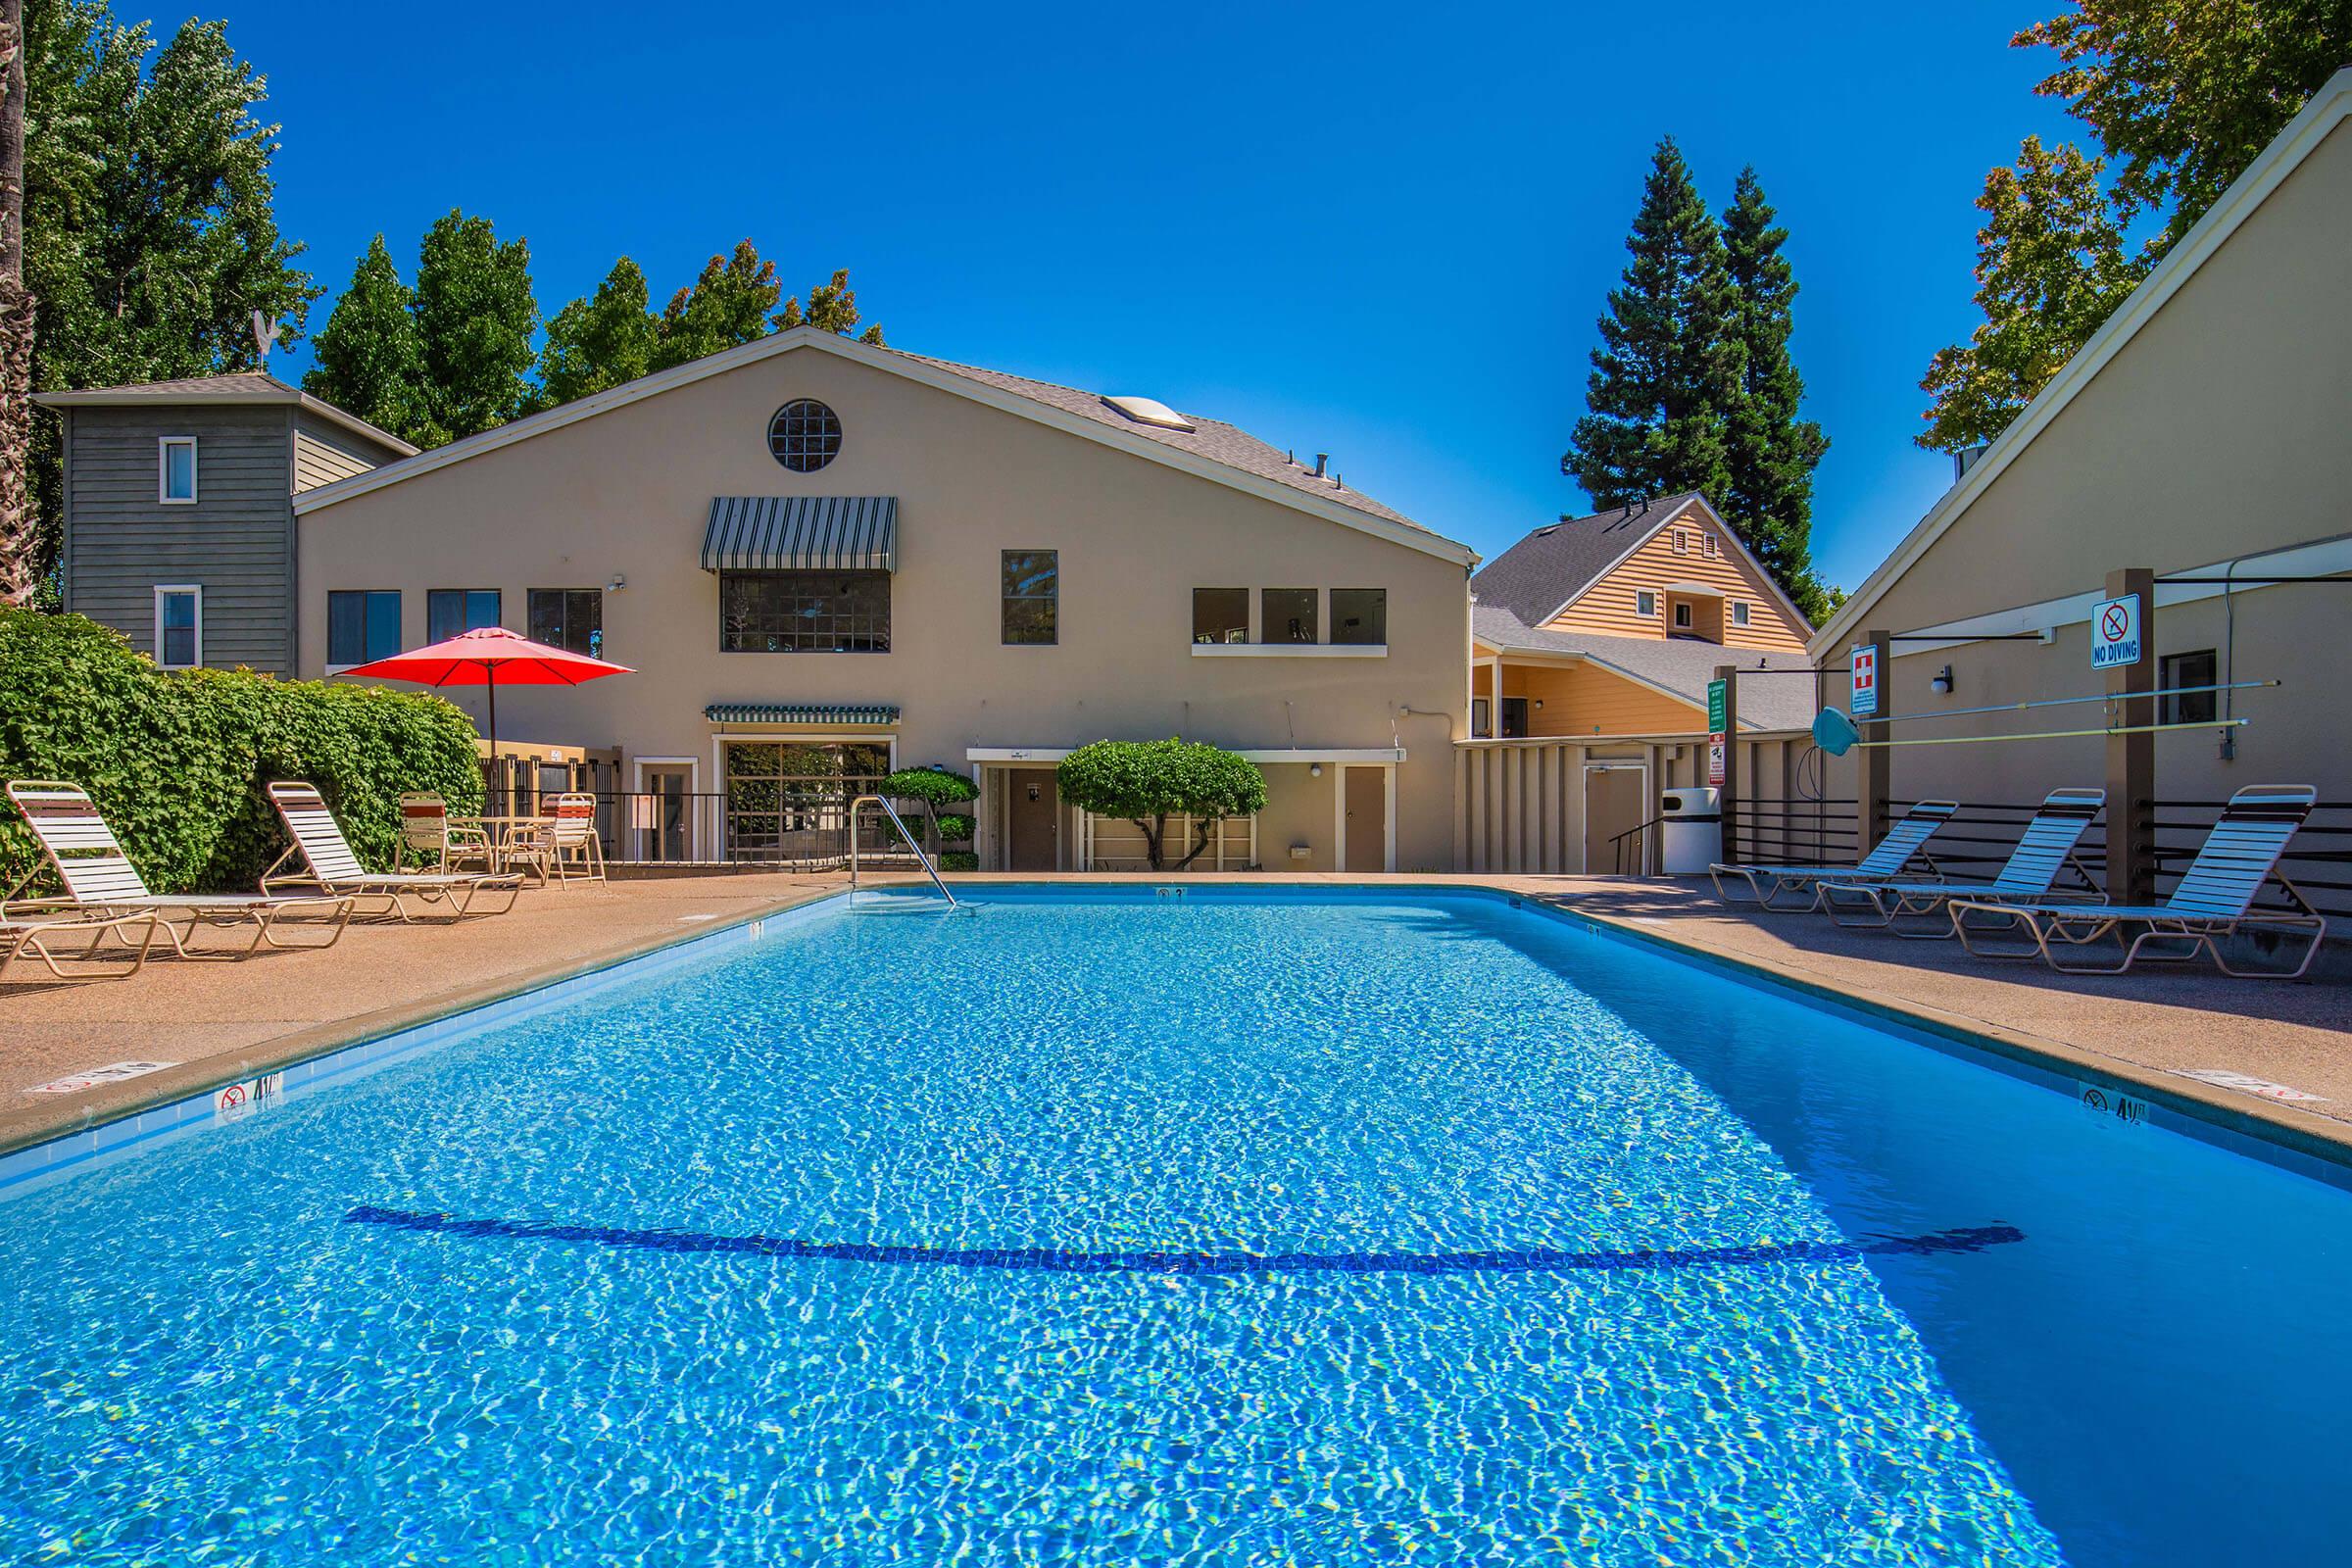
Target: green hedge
{"type": "Point", "coordinates": [955, 828]}
{"type": "Point", "coordinates": [935, 787]}
{"type": "Point", "coordinates": [960, 860]}
{"type": "Point", "coordinates": [177, 762]}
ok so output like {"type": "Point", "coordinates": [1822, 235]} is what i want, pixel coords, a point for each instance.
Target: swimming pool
{"type": "Point", "coordinates": [1235, 1227]}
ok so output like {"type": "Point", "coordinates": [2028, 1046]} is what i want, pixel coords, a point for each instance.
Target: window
{"type": "Point", "coordinates": [1032, 601]}
{"type": "Point", "coordinates": [180, 626]}
{"type": "Point", "coordinates": [1739, 612]}
{"type": "Point", "coordinates": [790, 802]}
{"type": "Point", "coordinates": [1645, 603]}
{"type": "Point", "coordinates": [1682, 615]}
{"type": "Point", "coordinates": [1481, 714]}
{"type": "Point", "coordinates": [804, 612]}
{"type": "Point", "coordinates": [1359, 616]}
{"type": "Point", "coordinates": [175, 471]}
{"type": "Point", "coordinates": [1221, 614]}
{"type": "Point", "coordinates": [2199, 669]}
{"type": "Point", "coordinates": [450, 610]}
{"type": "Point", "coordinates": [1682, 541]}
{"type": "Point", "coordinates": [1288, 616]}
{"type": "Point", "coordinates": [362, 624]}
{"type": "Point", "coordinates": [1514, 718]}
{"type": "Point", "coordinates": [570, 618]}
{"type": "Point", "coordinates": [804, 435]}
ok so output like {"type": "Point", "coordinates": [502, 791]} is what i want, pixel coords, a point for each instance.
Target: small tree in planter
{"type": "Point", "coordinates": [933, 788]}
{"type": "Point", "coordinates": [1146, 782]}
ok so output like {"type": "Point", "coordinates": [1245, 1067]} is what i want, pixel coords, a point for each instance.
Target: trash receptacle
{"type": "Point", "coordinates": [1689, 829]}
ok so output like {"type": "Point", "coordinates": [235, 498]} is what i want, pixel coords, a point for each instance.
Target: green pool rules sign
{"type": "Point", "coordinates": [1718, 704]}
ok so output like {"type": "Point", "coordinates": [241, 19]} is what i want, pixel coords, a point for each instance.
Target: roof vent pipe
{"type": "Point", "coordinates": [1321, 457]}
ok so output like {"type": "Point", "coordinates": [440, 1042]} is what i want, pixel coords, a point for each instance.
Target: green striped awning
{"type": "Point", "coordinates": [802, 534]}
{"type": "Point", "coordinates": [870, 715]}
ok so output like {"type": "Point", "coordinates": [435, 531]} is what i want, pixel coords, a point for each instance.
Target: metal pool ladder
{"type": "Point", "coordinates": [912, 843]}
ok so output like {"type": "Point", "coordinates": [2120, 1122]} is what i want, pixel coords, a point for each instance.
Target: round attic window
{"type": "Point", "coordinates": [805, 435]}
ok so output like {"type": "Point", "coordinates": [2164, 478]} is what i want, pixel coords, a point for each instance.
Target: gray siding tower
{"type": "Point", "coordinates": [178, 509]}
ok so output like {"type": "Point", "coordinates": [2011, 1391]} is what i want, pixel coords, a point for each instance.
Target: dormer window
{"type": "Point", "coordinates": [175, 471]}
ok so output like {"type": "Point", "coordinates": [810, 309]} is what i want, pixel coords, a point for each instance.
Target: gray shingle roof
{"type": "Point", "coordinates": [1548, 568]}
{"type": "Point", "coordinates": [1213, 439]}
{"type": "Point", "coordinates": [1680, 667]}
{"type": "Point", "coordinates": [243, 386]}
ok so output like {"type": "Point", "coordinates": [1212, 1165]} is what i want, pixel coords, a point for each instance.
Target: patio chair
{"type": "Point", "coordinates": [98, 877]}
{"type": "Point", "coordinates": [20, 935]}
{"type": "Point", "coordinates": [327, 864]}
{"type": "Point", "coordinates": [1904, 843]}
{"type": "Point", "coordinates": [564, 846]}
{"type": "Point", "coordinates": [433, 841]}
{"type": "Point", "coordinates": [2045, 850]}
{"type": "Point", "coordinates": [2213, 900]}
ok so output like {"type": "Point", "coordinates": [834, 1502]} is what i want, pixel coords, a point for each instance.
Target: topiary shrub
{"type": "Point", "coordinates": [935, 787]}
{"type": "Point", "coordinates": [954, 828]}
{"type": "Point", "coordinates": [177, 761]}
{"type": "Point", "coordinates": [1146, 782]}
{"type": "Point", "coordinates": [960, 860]}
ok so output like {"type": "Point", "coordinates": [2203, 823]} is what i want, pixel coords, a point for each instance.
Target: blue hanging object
{"type": "Point", "coordinates": [1834, 732]}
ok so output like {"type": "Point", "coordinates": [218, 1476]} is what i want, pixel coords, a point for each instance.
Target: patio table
{"type": "Point", "coordinates": [505, 834]}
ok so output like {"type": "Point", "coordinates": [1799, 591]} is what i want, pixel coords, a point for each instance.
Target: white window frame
{"type": "Point", "coordinates": [1645, 603]}
{"type": "Point", "coordinates": [1682, 541]}
{"type": "Point", "coordinates": [1741, 612]}
{"type": "Point", "coordinates": [1706, 545]}
{"type": "Point", "coordinates": [163, 470]}
{"type": "Point", "coordinates": [194, 590]}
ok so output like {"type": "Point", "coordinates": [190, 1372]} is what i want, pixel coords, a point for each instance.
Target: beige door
{"type": "Point", "coordinates": [1616, 800]}
{"type": "Point", "coordinates": [1031, 829]}
{"type": "Point", "coordinates": [1367, 806]}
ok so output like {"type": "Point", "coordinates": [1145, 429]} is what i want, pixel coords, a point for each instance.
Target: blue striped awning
{"type": "Point", "coordinates": [802, 534]}
{"type": "Point", "coordinates": [874, 714]}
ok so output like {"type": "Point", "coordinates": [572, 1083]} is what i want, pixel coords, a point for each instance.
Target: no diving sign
{"type": "Point", "coordinates": [2115, 632]}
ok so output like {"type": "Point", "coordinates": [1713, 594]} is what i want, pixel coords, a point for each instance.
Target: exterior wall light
{"type": "Point", "coordinates": [1942, 683]}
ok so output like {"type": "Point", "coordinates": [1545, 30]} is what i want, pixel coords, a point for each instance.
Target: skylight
{"type": "Point", "coordinates": [1151, 410]}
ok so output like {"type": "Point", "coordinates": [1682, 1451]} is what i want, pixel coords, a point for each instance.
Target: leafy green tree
{"type": "Point", "coordinates": [599, 342]}
{"type": "Point", "coordinates": [370, 360]}
{"type": "Point", "coordinates": [2050, 266]}
{"type": "Point", "coordinates": [476, 318]}
{"type": "Point", "coordinates": [1146, 782]}
{"type": "Point", "coordinates": [21, 575]}
{"type": "Point", "coordinates": [832, 308]}
{"type": "Point", "coordinates": [726, 307]}
{"type": "Point", "coordinates": [1669, 367]}
{"type": "Point", "coordinates": [1768, 498]}
{"type": "Point", "coordinates": [149, 230]}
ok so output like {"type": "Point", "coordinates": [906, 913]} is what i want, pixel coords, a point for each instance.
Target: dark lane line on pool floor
{"type": "Point", "coordinates": [1050, 1260]}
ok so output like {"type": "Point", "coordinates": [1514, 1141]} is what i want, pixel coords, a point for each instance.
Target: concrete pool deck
{"type": "Point", "coordinates": [220, 1021]}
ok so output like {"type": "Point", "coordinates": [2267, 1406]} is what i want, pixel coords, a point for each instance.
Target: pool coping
{"type": "Point", "coordinates": [177, 1090]}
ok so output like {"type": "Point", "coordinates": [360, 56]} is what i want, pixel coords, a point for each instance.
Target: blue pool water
{"type": "Point", "coordinates": [1224, 1229]}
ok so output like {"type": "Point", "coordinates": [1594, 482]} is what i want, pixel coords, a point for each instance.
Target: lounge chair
{"type": "Point", "coordinates": [329, 864]}
{"type": "Point", "coordinates": [98, 877]}
{"type": "Point", "coordinates": [2213, 900]}
{"type": "Point", "coordinates": [2044, 852]}
{"type": "Point", "coordinates": [20, 935]}
{"type": "Point", "coordinates": [1904, 843]}
{"type": "Point", "coordinates": [431, 841]}
{"type": "Point", "coordinates": [564, 843]}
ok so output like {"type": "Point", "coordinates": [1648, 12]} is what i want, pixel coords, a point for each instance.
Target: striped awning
{"type": "Point", "coordinates": [802, 534]}
{"type": "Point", "coordinates": [868, 715]}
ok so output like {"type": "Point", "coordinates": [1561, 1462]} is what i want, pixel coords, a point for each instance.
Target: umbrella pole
{"type": "Point", "coordinates": [490, 671]}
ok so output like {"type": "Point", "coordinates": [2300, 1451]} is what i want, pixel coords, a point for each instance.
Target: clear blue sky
{"type": "Point", "coordinates": [1383, 233]}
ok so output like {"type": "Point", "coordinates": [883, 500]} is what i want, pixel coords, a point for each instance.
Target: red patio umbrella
{"type": "Point", "coordinates": [486, 656]}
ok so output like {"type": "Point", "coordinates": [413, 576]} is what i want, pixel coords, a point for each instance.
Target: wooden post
{"type": "Point", "coordinates": [1873, 771]}
{"type": "Point", "coordinates": [1729, 674]}
{"type": "Point", "coordinates": [2131, 758]}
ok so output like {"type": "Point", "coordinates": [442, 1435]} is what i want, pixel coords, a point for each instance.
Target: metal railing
{"type": "Point", "coordinates": [758, 828]}
{"type": "Point", "coordinates": [1633, 845]}
{"type": "Point", "coordinates": [1790, 832]}
{"type": "Point", "coordinates": [923, 859]}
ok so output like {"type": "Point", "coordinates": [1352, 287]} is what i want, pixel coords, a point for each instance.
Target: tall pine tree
{"type": "Point", "coordinates": [1769, 497]}
{"type": "Point", "coordinates": [476, 318]}
{"type": "Point", "coordinates": [370, 361]}
{"type": "Point", "coordinates": [599, 342]}
{"type": "Point", "coordinates": [1669, 366]}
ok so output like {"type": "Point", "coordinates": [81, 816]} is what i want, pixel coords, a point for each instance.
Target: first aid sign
{"type": "Point", "coordinates": [1866, 680]}
{"type": "Point", "coordinates": [2115, 633]}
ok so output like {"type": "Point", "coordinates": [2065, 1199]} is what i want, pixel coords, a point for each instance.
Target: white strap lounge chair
{"type": "Point", "coordinates": [20, 935]}
{"type": "Point", "coordinates": [329, 864]}
{"type": "Point", "coordinates": [78, 845]}
{"type": "Point", "coordinates": [1892, 856]}
{"type": "Point", "coordinates": [430, 841]}
{"type": "Point", "coordinates": [2044, 852]}
{"type": "Point", "coordinates": [2214, 901]}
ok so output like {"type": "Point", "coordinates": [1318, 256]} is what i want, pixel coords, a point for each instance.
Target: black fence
{"type": "Point", "coordinates": [1790, 832]}
{"type": "Point", "coordinates": [2318, 859]}
{"type": "Point", "coordinates": [760, 826]}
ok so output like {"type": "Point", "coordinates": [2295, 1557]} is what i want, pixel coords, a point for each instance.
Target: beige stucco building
{"type": "Point", "coordinates": [824, 558]}
{"type": "Point", "coordinates": [2204, 433]}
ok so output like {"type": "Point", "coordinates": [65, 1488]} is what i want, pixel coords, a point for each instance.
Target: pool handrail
{"type": "Point", "coordinates": [912, 843]}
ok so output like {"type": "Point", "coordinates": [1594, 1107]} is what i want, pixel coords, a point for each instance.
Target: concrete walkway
{"type": "Point", "coordinates": [218, 1021]}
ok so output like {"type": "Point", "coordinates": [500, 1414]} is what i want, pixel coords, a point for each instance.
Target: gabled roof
{"type": "Point", "coordinates": [1552, 568]}
{"type": "Point", "coordinates": [2328, 109]}
{"type": "Point", "coordinates": [245, 386]}
{"type": "Point", "coordinates": [1212, 450]}
{"type": "Point", "coordinates": [1677, 668]}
